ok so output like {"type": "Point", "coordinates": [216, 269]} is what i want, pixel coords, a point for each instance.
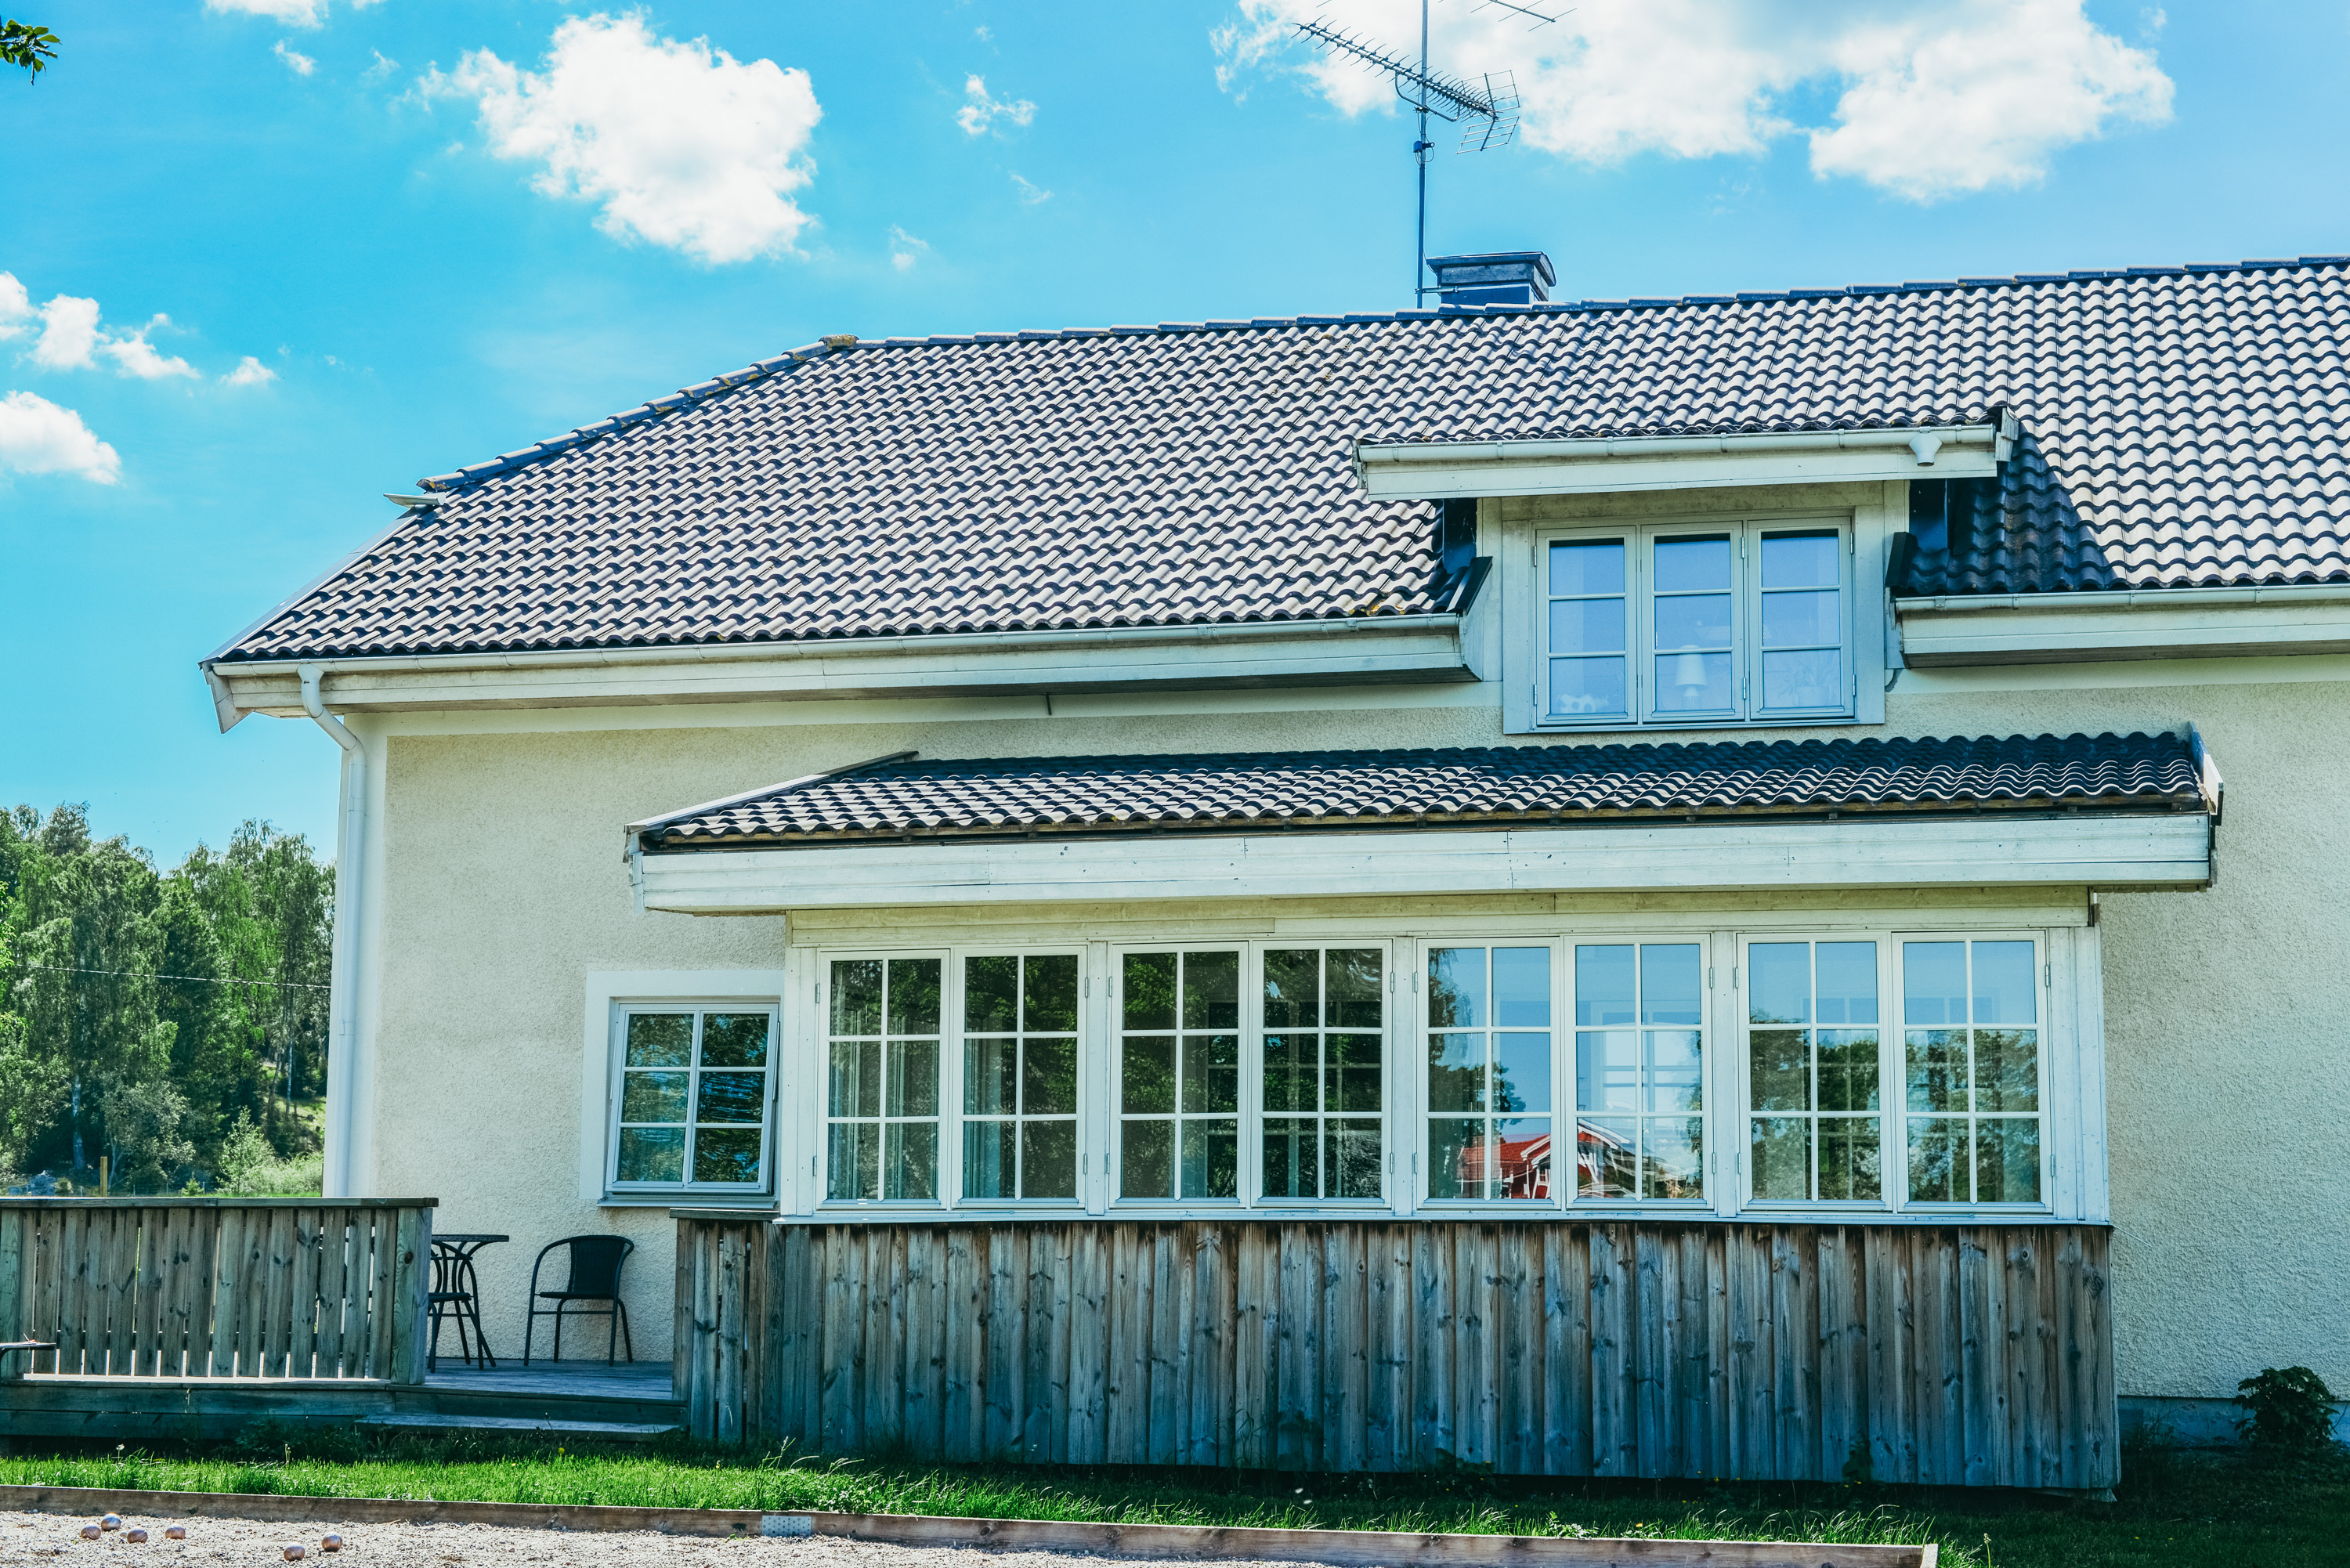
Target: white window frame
{"type": "Point", "coordinates": [2044, 988]}
{"type": "Point", "coordinates": [604, 1051]}
{"type": "Point", "coordinates": [1247, 1102]}
{"type": "Point", "coordinates": [1393, 999]}
{"type": "Point", "coordinates": [1562, 1092]}
{"type": "Point", "coordinates": [1890, 1096]}
{"type": "Point", "coordinates": [1711, 1114]}
{"type": "Point", "coordinates": [952, 1067]}
{"type": "Point", "coordinates": [820, 1077]}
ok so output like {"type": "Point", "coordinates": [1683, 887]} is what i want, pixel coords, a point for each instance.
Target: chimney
{"type": "Point", "coordinates": [1496, 277]}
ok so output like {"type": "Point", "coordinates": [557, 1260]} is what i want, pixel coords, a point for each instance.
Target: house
{"type": "Point", "coordinates": [1240, 788]}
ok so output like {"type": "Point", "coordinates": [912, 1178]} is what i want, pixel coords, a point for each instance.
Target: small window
{"type": "Point", "coordinates": [1970, 1070]}
{"type": "Point", "coordinates": [1735, 623]}
{"type": "Point", "coordinates": [1179, 1075]}
{"type": "Point", "coordinates": [1020, 1077]}
{"type": "Point", "coordinates": [882, 1094]}
{"type": "Point", "coordinates": [1489, 1074]}
{"type": "Point", "coordinates": [694, 1100]}
{"type": "Point", "coordinates": [1639, 1071]}
{"type": "Point", "coordinates": [1323, 1015]}
{"type": "Point", "coordinates": [1815, 1129]}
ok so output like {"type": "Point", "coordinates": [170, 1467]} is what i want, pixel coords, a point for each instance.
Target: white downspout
{"type": "Point", "coordinates": [342, 1001]}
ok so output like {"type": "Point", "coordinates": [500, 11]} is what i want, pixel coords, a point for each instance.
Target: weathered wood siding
{"type": "Point", "coordinates": [1977, 1355]}
{"type": "Point", "coordinates": [252, 1287]}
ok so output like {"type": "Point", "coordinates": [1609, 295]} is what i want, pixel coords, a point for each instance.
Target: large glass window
{"type": "Point", "coordinates": [1323, 1017]}
{"type": "Point", "coordinates": [1489, 1072]}
{"type": "Point", "coordinates": [882, 1102]}
{"type": "Point", "coordinates": [1020, 1076]}
{"type": "Point", "coordinates": [1815, 1127]}
{"type": "Point", "coordinates": [1735, 623]}
{"type": "Point", "coordinates": [694, 1102]}
{"type": "Point", "coordinates": [1179, 1075]}
{"type": "Point", "coordinates": [1639, 1060]}
{"type": "Point", "coordinates": [1970, 1070]}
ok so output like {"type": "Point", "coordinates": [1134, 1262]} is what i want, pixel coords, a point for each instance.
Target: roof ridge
{"type": "Point", "coordinates": [780, 364]}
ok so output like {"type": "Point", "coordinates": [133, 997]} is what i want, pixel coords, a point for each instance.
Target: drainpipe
{"type": "Point", "coordinates": [342, 999]}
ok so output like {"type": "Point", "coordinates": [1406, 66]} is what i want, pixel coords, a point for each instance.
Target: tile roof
{"type": "Point", "coordinates": [1541, 784]}
{"type": "Point", "coordinates": [2182, 426]}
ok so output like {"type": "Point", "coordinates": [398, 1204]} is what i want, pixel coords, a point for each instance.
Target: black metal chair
{"type": "Point", "coordinates": [595, 1276]}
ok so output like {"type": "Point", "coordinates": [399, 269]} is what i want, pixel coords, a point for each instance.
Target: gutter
{"type": "Point", "coordinates": [2128, 598]}
{"type": "Point", "coordinates": [342, 1004]}
{"type": "Point", "coordinates": [1924, 443]}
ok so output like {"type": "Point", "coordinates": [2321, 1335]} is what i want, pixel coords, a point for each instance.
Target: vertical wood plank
{"type": "Point", "coordinates": [1389, 1403]}
{"type": "Point", "coordinates": [1655, 1295]}
{"type": "Point", "coordinates": [921, 1426]}
{"type": "Point", "coordinates": [1208, 1422]}
{"type": "Point", "coordinates": [227, 1284]}
{"type": "Point", "coordinates": [1347, 1347]}
{"type": "Point", "coordinates": [1006, 1328]}
{"type": "Point", "coordinates": [1567, 1350]}
{"type": "Point", "coordinates": [1518, 1341]}
{"type": "Point", "coordinates": [1475, 1410]}
{"type": "Point", "coordinates": [1060, 1259]}
{"type": "Point", "coordinates": [961, 1413]}
{"type": "Point", "coordinates": [1254, 1354]}
{"type": "Point", "coordinates": [1434, 1444]}
{"type": "Point", "coordinates": [13, 1289]}
{"type": "Point", "coordinates": [1983, 1381]}
{"type": "Point", "coordinates": [1040, 1384]}
{"type": "Point", "coordinates": [1615, 1450]}
{"type": "Point", "coordinates": [1298, 1403]}
{"type": "Point", "coordinates": [1795, 1348]}
{"type": "Point", "coordinates": [1088, 1341]}
{"type": "Point", "coordinates": [43, 1258]}
{"type": "Point", "coordinates": [1163, 1350]}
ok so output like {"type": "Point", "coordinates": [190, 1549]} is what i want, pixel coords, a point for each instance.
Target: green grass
{"type": "Point", "coordinates": [2174, 1509]}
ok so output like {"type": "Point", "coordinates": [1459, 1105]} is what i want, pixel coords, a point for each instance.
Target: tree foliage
{"type": "Point", "coordinates": [26, 47]}
{"type": "Point", "coordinates": [157, 1017]}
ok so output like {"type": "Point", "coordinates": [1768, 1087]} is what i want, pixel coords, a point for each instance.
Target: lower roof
{"type": "Point", "coordinates": [896, 799]}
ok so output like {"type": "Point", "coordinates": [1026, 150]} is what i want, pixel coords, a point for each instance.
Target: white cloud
{"type": "Point", "coordinates": [384, 65]}
{"type": "Point", "coordinates": [299, 64]}
{"type": "Point", "coordinates": [39, 437]}
{"type": "Point", "coordinates": [293, 13]}
{"type": "Point", "coordinates": [979, 115]}
{"type": "Point", "coordinates": [683, 144]}
{"type": "Point", "coordinates": [134, 356]}
{"type": "Point", "coordinates": [1934, 101]}
{"type": "Point", "coordinates": [1031, 196]}
{"type": "Point", "coordinates": [249, 372]}
{"type": "Point", "coordinates": [905, 250]}
{"type": "Point", "coordinates": [15, 308]}
{"type": "Point", "coordinates": [68, 333]}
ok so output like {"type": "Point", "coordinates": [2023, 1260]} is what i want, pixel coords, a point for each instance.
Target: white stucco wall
{"type": "Point", "coordinates": [503, 887]}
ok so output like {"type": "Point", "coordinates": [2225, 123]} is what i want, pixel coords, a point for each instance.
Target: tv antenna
{"type": "Point", "coordinates": [1486, 110]}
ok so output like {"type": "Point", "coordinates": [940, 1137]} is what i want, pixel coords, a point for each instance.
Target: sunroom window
{"type": "Point", "coordinates": [1020, 1076]}
{"type": "Point", "coordinates": [1725, 623]}
{"type": "Point", "coordinates": [1816, 1127]}
{"type": "Point", "coordinates": [882, 1097]}
{"type": "Point", "coordinates": [1489, 1074]}
{"type": "Point", "coordinates": [694, 1097]}
{"type": "Point", "coordinates": [1323, 1012]}
{"type": "Point", "coordinates": [1970, 1069]}
{"type": "Point", "coordinates": [1179, 1075]}
{"type": "Point", "coordinates": [1639, 1071]}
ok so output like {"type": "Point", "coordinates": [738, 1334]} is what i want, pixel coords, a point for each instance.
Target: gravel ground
{"type": "Point", "coordinates": [41, 1538]}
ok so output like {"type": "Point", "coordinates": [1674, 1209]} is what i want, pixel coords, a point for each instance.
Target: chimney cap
{"type": "Point", "coordinates": [1493, 277]}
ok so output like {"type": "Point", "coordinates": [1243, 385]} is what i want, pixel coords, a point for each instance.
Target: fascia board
{"type": "Point", "coordinates": [1388, 649]}
{"type": "Point", "coordinates": [2175, 623]}
{"type": "Point", "coordinates": [1449, 470]}
{"type": "Point", "coordinates": [2153, 851]}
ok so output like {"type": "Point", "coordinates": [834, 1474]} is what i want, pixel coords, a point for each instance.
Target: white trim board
{"type": "Point", "coordinates": [2168, 623]}
{"type": "Point", "coordinates": [2168, 851]}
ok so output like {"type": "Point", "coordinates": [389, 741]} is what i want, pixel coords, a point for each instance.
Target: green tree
{"type": "Point", "coordinates": [26, 47]}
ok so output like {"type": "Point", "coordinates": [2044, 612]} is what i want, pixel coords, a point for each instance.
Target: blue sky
{"type": "Point", "coordinates": [391, 238]}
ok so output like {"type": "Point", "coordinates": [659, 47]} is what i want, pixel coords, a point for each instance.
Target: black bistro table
{"type": "Point", "coordinates": [456, 1295]}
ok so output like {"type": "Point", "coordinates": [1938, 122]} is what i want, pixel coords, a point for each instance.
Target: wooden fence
{"type": "Point", "coordinates": [216, 1287]}
{"type": "Point", "coordinates": [1977, 1355]}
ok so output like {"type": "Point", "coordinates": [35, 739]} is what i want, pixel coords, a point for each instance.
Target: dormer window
{"type": "Point", "coordinates": [1696, 623]}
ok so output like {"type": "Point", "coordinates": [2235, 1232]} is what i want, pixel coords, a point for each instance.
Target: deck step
{"type": "Point", "coordinates": [429, 1421]}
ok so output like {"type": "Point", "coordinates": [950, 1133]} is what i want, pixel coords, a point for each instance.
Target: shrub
{"type": "Point", "coordinates": [2292, 1410]}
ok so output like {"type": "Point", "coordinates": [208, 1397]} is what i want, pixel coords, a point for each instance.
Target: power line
{"type": "Point", "coordinates": [199, 979]}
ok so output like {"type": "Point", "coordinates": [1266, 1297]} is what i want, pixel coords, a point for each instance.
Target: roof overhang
{"type": "Point", "coordinates": [2153, 851]}
{"type": "Point", "coordinates": [1954, 631]}
{"type": "Point", "coordinates": [1432, 471]}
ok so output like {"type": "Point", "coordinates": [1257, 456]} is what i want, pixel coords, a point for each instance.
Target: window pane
{"type": "Point", "coordinates": [1802, 620]}
{"type": "Point", "coordinates": [653, 1097]}
{"type": "Point", "coordinates": [732, 1097]}
{"type": "Point", "coordinates": [1850, 1155]}
{"type": "Point", "coordinates": [1353, 1152]}
{"type": "Point", "coordinates": [1050, 1086]}
{"type": "Point", "coordinates": [857, 996]}
{"type": "Point", "coordinates": [1848, 1069]}
{"type": "Point", "coordinates": [1603, 985]}
{"type": "Point", "coordinates": [991, 1077]}
{"type": "Point", "coordinates": [1522, 987]}
{"type": "Point", "coordinates": [1212, 991]}
{"type": "Point", "coordinates": [1456, 1072]}
{"type": "Point", "coordinates": [1520, 1162]}
{"type": "Point", "coordinates": [855, 1164]}
{"type": "Point", "coordinates": [1672, 984]}
{"type": "Point", "coordinates": [856, 1078]}
{"type": "Point", "coordinates": [1587, 626]}
{"type": "Point", "coordinates": [991, 994]}
{"type": "Point", "coordinates": [914, 996]}
{"type": "Point", "coordinates": [1292, 990]}
{"type": "Point", "coordinates": [1934, 983]}
{"type": "Point", "coordinates": [1581, 686]}
{"type": "Point", "coordinates": [1814, 679]}
{"type": "Point", "coordinates": [1293, 1071]}
{"type": "Point", "coordinates": [1692, 683]}
{"type": "Point", "coordinates": [660, 1039]}
{"type": "Point", "coordinates": [1048, 1160]}
{"type": "Point", "coordinates": [1350, 1073]}
{"type": "Point", "coordinates": [1847, 983]}
{"type": "Point", "coordinates": [1779, 982]}
{"type": "Point", "coordinates": [1146, 1162]}
{"type": "Point", "coordinates": [1292, 1159]}
{"type": "Point", "coordinates": [1456, 988]}
{"type": "Point", "coordinates": [726, 1154]}
{"type": "Point", "coordinates": [1781, 1155]}
{"type": "Point", "coordinates": [1051, 993]}
{"type": "Point", "coordinates": [1357, 999]}
{"type": "Point", "coordinates": [2004, 990]}
{"type": "Point", "coordinates": [2007, 1159]}
{"type": "Point", "coordinates": [913, 1087]}
{"type": "Point", "coordinates": [652, 1154]}
{"type": "Point", "coordinates": [1149, 991]}
{"type": "Point", "coordinates": [1938, 1070]}
{"type": "Point", "coordinates": [1672, 1159]}
{"type": "Point", "coordinates": [1778, 1068]}
{"type": "Point", "coordinates": [1694, 621]}
{"type": "Point", "coordinates": [1685, 565]}
{"type": "Point", "coordinates": [1147, 1083]}
{"type": "Point", "coordinates": [1938, 1159]}
{"type": "Point", "coordinates": [2007, 1070]}
{"type": "Point", "coordinates": [1456, 1157]}
{"type": "Point", "coordinates": [910, 1163]}
{"type": "Point", "coordinates": [987, 1159]}
{"type": "Point", "coordinates": [1212, 1072]}
{"type": "Point", "coordinates": [1605, 1156]}
{"type": "Point", "coordinates": [1675, 1070]}
{"type": "Point", "coordinates": [1800, 560]}
{"type": "Point", "coordinates": [1595, 568]}
{"type": "Point", "coordinates": [734, 1039]}
{"type": "Point", "coordinates": [1211, 1158]}
{"type": "Point", "coordinates": [1522, 1072]}
{"type": "Point", "coordinates": [1607, 1070]}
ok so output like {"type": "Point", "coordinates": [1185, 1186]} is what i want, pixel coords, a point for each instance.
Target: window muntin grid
{"type": "Point", "coordinates": [1586, 596]}
{"type": "Point", "coordinates": [1489, 1074]}
{"type": "Point", "coordinates": [1801, 621]}
{"type": "Point", "coordinates": [1970, 1070]}
{"type": "Point", "coordinates": [1639, 1071]}
{"type": "Point", "coordinates": [1693, 615]}
{"type": "Point", "coordinates": [1020, 1076]}
{"type": "Point", "coordinates": [882, 1094]}
{"type": "Point", "coordinates": [694, 1097]}
{"type": "Point", "coordinates": [1815, 1126]}
{"type": "Point", "coordinates": [1323, 1015]}
{"type": "Point", "coordinates": [1180, 1074]}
